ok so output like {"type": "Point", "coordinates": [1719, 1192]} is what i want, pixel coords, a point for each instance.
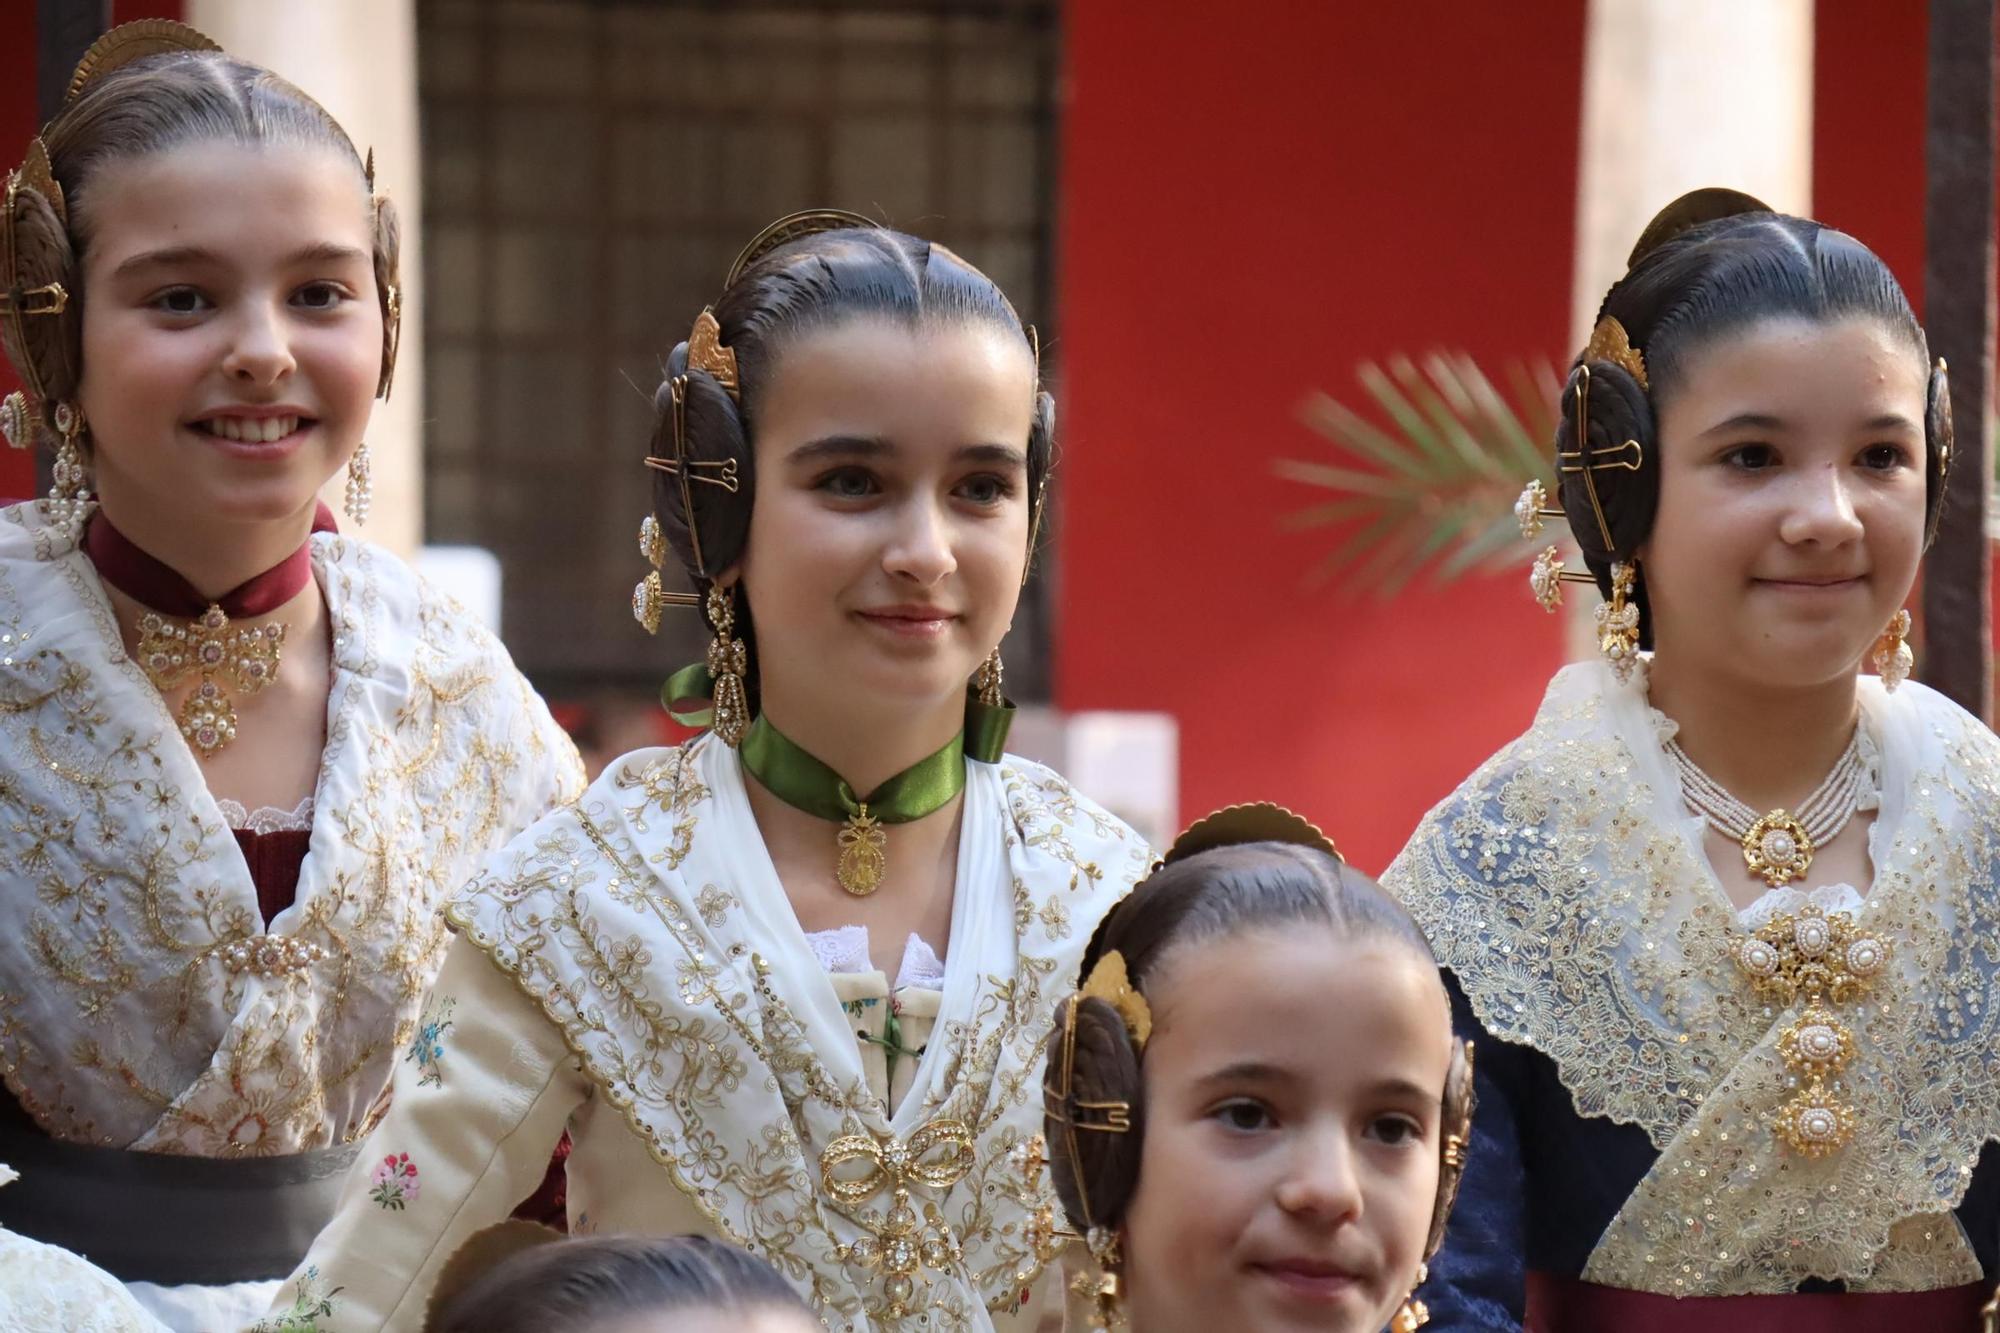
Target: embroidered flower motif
{"type": "Point", "coordinates": [395, 1181]}
{"type": "Point", "coordinates": [714, 903]}
{"type": "Point", "coordinates": [312, 1304]}
{"type": "Point", "coordinates": [426, 1050]}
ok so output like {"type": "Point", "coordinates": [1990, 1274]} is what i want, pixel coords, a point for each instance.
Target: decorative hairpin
{"type": "Point", "coordinates": [134, 41]}
{"type": "Point", "coordinates": [1609, 342]}
{"type": "Point", "coordinates": [1108, 982]}
{"type": "Point", "coordinates": [1254, 821]}
{"type": "Point", "coordinates": [793, 227]}
{"type": "Point", "coordinates": [1532, 507]}
{"type": "Point", "coordinates": [707, 354]}
{"type": "Point", "coordinates": [1547, 575]}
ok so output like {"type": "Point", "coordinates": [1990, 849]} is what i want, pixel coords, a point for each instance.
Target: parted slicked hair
{"type": "Point", "coordinates": [1706, 283]}
{"type": "Point", "coordinates": [153, 105]}
{"type": "Point", "coordinates": [577, 1285]}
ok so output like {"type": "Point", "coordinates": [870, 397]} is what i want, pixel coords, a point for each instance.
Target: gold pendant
{"type": "Point", "coordinates": [864, 856]}
{"type": "Point", "coordinates": [1778, 849]}
{"type": "Point", "coordinates": [903, 1243]}
{"type": "Point", "coordinates": [1823, 958]}
{"type": "Point", "coordinates": [1815, 1046]}
{"type": "Point", "coordinates": [207, 647]}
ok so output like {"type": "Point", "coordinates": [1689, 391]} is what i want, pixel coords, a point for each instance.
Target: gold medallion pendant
{"type": "Point", "coordinates": [1778, 849]}
{"type": "Point", "coordinates": [864, 853]}
{"type": "Point", "coordinates": [209, 648]}
{"type": "Point", "coordinates": [1825, 959]}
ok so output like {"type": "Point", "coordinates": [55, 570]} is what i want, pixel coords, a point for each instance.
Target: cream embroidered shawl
{"type": "Point", "coordinates": [1567, 889]}
{"type": "Point", "coordinates": [648, 922]}
{"type": "Point", "coordinates": [122, 1021]}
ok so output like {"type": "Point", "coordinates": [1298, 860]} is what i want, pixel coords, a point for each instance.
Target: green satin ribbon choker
{"type": "Point", "coordinates": [795, 777]}
{"type": "Point", "coordinates": [792, 775]}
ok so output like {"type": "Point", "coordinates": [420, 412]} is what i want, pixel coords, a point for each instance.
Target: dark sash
{"type": "Point", "coordinates": [166, 1218]}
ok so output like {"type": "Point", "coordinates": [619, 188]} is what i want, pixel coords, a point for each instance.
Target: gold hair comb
{"type": "Point", "coordinates": [1108, 982]}
{"type": "Point", "coordinates": [134, 41]}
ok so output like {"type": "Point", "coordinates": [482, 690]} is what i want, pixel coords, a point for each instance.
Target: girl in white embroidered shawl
{"type": "Point", "coordinates": [641, 966]}
{"type": "Point", "coordinates": [1729, 911]}
{"type": "Point", "coordinates": [199, 1010]}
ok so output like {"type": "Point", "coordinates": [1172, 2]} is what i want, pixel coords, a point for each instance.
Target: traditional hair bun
{"type": "Point", "coordinates": [44, 349]}
{"type": "Point", "coordinates": [715, 433]}
{"type": "Point", "coordinates": [1621, 447]}
{"type": "Point", "coordinates": [1094, 1170]}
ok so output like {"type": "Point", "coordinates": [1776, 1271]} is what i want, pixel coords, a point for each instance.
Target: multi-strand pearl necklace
{"type": "Point", "coordinates": [1778, 846]}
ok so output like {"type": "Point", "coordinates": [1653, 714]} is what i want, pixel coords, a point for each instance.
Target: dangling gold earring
{"type": "Point", "coordinates": [69, 480]}
{"type": "Point", "coordinates": [1414, 1314]}
{"type": "Point", "coordinates": [1107, 1310]}
{"type": "Point", "coordinates": [1893, 658]}
{"type": "Point", "coordinates": [728, 660]}
{"type": "Point", "coordinates": [986, 681]}
{"type": "Point", "coordinates": [1618, 623]}
{"type": "Point", "coordinates": [360, 491]}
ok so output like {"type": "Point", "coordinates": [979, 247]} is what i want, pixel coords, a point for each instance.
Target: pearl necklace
{"type": "Point", "coordinates": [1777, 846]}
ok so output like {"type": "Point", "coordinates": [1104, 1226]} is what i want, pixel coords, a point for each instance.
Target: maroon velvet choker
{"type": "Point", "coordinates": [157, 587]}
{"type": "Point", "coordinates": [183, 633]}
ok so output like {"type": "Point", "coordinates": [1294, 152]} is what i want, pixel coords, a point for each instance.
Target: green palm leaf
{"type": "Point", "coordinates": [1426, 480]}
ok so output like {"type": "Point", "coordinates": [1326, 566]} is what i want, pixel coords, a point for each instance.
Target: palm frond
{"type": "Point", "coordinates": [1426, 481]}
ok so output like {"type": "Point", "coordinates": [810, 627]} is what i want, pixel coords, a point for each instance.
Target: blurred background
{"type": "Point", "coordinates": [1304, 271]}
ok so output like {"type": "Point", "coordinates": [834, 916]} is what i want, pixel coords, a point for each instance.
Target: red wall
{"type": "Point", "coordinates": [1868, 127]}
{"type": "Point", "coordinates": [1252, 204]}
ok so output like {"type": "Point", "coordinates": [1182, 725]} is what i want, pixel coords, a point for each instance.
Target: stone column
{"type": "Point", "coordinates": [1678, 96]}
{"type": "Point", "coordinates": [358, 58]}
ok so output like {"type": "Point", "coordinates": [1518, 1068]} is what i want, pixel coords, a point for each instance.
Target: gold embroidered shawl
{"type": "Point", "coordinates": [1566, 888]}
{"type": "Point", "coordinates": [648, 922]}
{"type": "Point", "coordinates": [126, 1016]}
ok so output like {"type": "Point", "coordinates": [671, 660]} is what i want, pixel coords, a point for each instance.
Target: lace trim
{"type": "Point", "coordinates": [1826, 897]}
{"type": "Point", "coordinates": [1573, 906]}
{"type": "Point", "coordinates": [844, 949]}
{"type": "Point", "coordinates": [267, 818]}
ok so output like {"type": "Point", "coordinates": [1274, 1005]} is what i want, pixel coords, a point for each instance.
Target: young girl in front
{"type": "Point", "coordinates": [243, 757]}
{"type": "Point", "coordinates": [787, 984]}
{"type": "Point", "coordinates": [1256, 1110]}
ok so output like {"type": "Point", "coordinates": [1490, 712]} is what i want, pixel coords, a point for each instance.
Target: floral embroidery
{"type": "Point", "coordinates": [129, 1025]}
{"type": "Point", "coordinates": [692, 1037]}
{"type": "Point", "coordinates": [714, 903]}
{"type": "Point", "coordinates": [395, 1181]}
{"type": "Point", "coordinates": [427, 1047]}
{"type": "Point", "coordinates": [311, 1305]}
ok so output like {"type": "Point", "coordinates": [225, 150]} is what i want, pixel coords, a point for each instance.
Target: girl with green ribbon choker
{"type": "Point", "coordinates": [789, 984]}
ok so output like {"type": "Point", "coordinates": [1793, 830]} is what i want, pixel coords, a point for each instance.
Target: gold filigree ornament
{"type": "Point", "coordinates": [901, 1244]}
{"type": "Point", "coordinates": [649, 598]}
{"type": "Point", "coordinates": [1777, 848]}
{"type": "Point", "coordinates": [17, 423]}
{"type": "Point", "coordinates": [864, 853]}
{"type": "Point", "coordinates": [209, 648]}
{"type": "Point", "coordinates": [1532, 508]}
{"type": "Point", "coordinates": [1610, 342]}
{"type": "Point", "coordinates": [1825, 959]}
{"type": "Point", "coordinates": [1109, 982]}
{"type": "Point", "coordinates": [1618, 623]}
{"type": "Point", "coordinates": [1546, 578]}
